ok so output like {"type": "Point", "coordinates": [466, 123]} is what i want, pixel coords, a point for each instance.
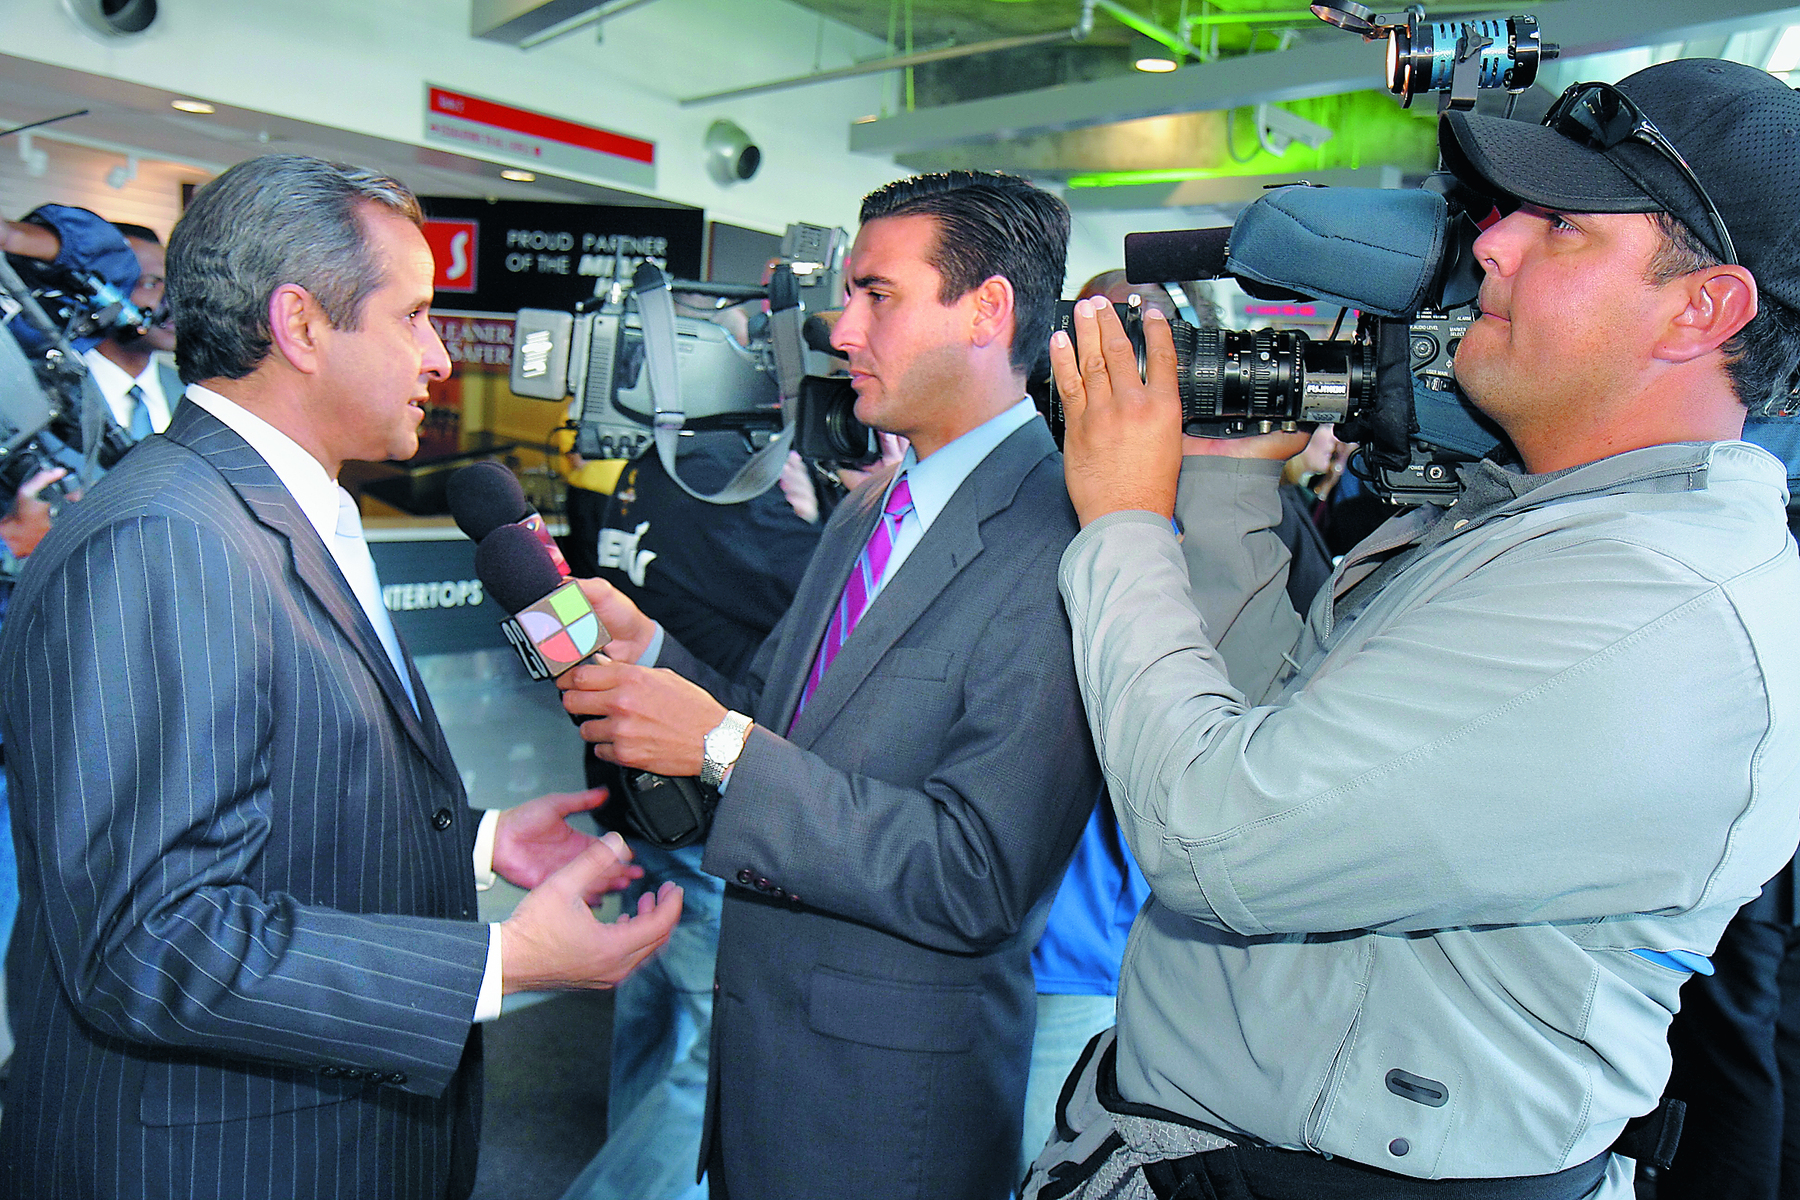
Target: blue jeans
{"type": "Point", "coordinates": [9, 908]}
{"type": "Point", "coordinates": [1065, 1025]}
{"type": "Point", "coordinates": [662, 1029]}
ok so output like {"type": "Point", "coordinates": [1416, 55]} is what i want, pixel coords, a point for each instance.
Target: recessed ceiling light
{"type": "Point", "coordinates": [192, 106]}
{"type": "Point", "coordinates": [1155, 65]}
{"type": "Point", "coordinates": [518, 176]}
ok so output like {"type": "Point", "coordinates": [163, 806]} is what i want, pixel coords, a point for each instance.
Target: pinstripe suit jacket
{"type": "Point", "coordinates": [894, 851]}
{"type": "Point", "coordinates": [245, 962]}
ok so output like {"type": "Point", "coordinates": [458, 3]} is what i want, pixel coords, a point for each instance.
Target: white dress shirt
{"type": "Point", "coordinates": [115, 384]}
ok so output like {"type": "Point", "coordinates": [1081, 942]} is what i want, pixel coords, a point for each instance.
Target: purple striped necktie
{"type": "Point", "coordinates": [864, 577]}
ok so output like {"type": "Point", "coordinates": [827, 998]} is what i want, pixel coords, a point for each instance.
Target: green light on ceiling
{"type": "Point", "coordinates": [1370, 128]}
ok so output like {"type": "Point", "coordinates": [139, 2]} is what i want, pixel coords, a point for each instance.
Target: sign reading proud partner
{"type": "Point", "coordinates": [503, 255]}
{"type": "Point", "coordinates": [474, 125]}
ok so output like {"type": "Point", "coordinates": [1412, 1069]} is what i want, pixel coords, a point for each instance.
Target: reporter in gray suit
{"type": "Point", "coordinates": [246, 962]}
{"type": "Point", "coordinates": [895, 819]}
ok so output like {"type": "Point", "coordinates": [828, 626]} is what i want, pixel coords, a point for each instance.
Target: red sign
{"type": "Point", "coordinates": [540, 126]}
{"type": "Point", "coordinates": [453, 252]}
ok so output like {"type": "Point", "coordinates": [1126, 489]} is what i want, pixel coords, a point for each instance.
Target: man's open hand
{"type": "Point", "coordinates": [553, 942]}
{"type": "Point", "coordinates": [533, 840]}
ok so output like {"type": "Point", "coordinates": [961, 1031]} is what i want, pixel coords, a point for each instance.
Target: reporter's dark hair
{"type": "Point", "coordinates": [1761, 358]}
{"type": "Point", "coordinates": [990, 224]}
{"type": "Point", "coordinates": [141, 232]}
{"type": "Point", "coordinates": [266, 222]}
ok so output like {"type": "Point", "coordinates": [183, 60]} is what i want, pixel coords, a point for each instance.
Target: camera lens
{"type": "Point", "coordinates": [1249, 374]}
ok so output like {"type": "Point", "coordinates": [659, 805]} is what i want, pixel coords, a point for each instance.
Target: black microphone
{"type": "Point", "coordinates": [1176, 254]}
{"type": "Point", "coordinates": [555, 629]}
{"type": "Point", "coordinates": [817, 334]}
{"type": "Point", "coordinates": [552, 625]}
{"type": "Point", "coordinates": [485, 496]}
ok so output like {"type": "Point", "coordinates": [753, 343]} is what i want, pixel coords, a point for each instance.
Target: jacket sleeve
{"type": "Point", "coordinates": [958, 862]}
{"type": "Point", "coordinates": [139, 690]}
{"type": "Point", "coordinates": [1229, 510]}
{"type": "Point", "coordinates": [1544, 701]}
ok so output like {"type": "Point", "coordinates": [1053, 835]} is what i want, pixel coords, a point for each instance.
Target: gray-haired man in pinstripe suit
{"type": "Point", "coordinates": [246, 963]}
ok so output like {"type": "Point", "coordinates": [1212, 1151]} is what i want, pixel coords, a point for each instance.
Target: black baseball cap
{"type": "Point", "coordinates": [1738, 129]}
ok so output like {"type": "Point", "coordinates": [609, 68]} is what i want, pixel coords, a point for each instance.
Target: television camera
{"type": "Point", "coordinates": [1402, 259]}
{"type": "Point", "coordinates": [637, 373]}
{"type": "Point", "coordinates": [49, 310]}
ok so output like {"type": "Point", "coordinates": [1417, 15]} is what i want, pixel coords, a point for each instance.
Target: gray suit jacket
{"type": "Point", "coordinates": [895, 851]}
{"type": "Point", "coordinates": [246, 962]}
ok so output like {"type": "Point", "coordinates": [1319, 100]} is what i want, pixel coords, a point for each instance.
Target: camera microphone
{"type": "Point", "coordinates": [485, 496]}
{"type": "Point", "coordinates": [1178, 254]}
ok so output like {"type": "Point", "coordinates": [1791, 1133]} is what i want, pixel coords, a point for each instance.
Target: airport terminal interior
{"type": "Point", "coordinates": [557, 146]}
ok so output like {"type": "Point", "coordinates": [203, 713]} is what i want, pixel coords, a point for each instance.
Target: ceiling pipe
{"type": "Point", "coordinates": [897, 62]}
{"type": "Point", "coordinates": [1177, 42]}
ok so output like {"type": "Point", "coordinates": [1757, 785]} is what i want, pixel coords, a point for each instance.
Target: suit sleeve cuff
{"type": "Point", "coordinates": [484, 849]}
{"type": "Point", "coordinates": [487, 1003]}
{"type": "Point", "coordinates": [653, 651]}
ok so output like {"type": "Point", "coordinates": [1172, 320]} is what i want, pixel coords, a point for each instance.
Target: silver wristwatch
{"type": "Point", "coordinates": [720, 748]}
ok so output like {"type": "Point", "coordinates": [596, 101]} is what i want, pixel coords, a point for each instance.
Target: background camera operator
{"type": "Point", "coordinates": [63, 236]}
{"type": "Point", "coordinates": [1429, 870]}
{"type": "Point", "coordinates": [141, 390]}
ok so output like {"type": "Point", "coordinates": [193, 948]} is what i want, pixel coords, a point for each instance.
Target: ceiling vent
{"type": "Point", "coordinates": [113, 19]}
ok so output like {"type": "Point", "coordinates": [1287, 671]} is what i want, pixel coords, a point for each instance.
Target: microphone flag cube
{"type": "Point", "coordinates": [536, 524]}
{"type": "Point", "coordinates": [557, 633]}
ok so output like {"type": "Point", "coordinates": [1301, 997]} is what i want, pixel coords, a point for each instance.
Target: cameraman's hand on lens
{"type": "Point", "coordinates": [1122, 446]}
{"type": "Point", "coordinates": [631, 630]}
{"type": "Point", "coordinates": [27, 519]}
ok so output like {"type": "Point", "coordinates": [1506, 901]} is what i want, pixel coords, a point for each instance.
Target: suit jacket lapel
{"type": "Point", "coordinates": [948, 547]}
{"type": "Point", "coordinates": [272, 505]}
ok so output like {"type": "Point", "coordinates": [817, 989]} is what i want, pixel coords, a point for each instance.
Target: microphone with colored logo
{"type": "Point", "coordinates": [485, 496]}
{"type": "Point", "coordinates": [552, 626]}
{"type": "Point", "coordinates": [555, 629]}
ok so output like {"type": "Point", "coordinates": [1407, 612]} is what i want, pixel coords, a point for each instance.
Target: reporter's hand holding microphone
{"type": "Point", "coordinates": [589, 638]}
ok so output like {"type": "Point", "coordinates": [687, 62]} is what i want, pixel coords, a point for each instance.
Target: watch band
{"type": "Point", "coordinates": [720, 748]}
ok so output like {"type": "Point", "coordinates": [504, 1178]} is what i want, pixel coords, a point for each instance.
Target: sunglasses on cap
{"type": "Point", "coordinates": [1600, 117]}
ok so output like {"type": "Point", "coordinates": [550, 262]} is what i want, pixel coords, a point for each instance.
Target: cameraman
{"type": "Point", "coordinates": [1430, 869]}
{"type": "Point", "coordinates": [140, 389]}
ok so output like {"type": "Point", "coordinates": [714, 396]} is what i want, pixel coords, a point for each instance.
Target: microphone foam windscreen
{"type": "Point", "coordinates": [484, 496]}
{"type": "Point", "coordinates": [1176, 254]}
{"type": "Point", "coordinates": [514, 568]}
{"type": "Point", "coordinates": [817, 334]}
